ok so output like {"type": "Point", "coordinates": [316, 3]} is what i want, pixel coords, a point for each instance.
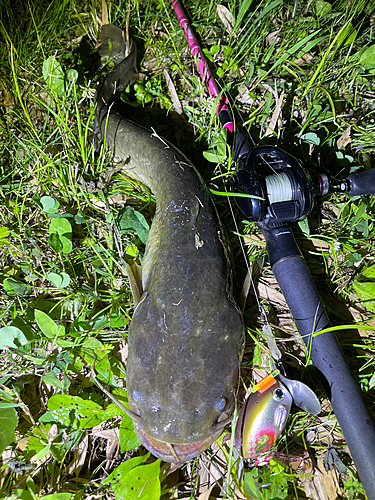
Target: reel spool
{"type": "Point", "coordinates": [283, 191]}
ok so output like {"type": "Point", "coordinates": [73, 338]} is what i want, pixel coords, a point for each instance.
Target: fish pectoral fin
{"type": "Point", "coordinates": [134, 272]}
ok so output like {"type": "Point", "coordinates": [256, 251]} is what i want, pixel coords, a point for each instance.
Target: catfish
{"type": "Point", "coordinates": [186, 334]}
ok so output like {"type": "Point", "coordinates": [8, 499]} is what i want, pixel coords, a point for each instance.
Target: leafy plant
{"type": "Point", "coordinates": [67, 228]}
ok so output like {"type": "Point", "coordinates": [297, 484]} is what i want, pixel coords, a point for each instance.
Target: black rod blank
{"type": "Point", "coordinates": [292, 274]}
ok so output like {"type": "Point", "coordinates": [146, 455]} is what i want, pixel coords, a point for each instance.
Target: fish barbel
{"type": "Point", "coordinates": [186, 334]}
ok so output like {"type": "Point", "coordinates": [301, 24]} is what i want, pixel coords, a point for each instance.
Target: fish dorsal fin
{"type": "Point", "coordinates": [134, 272]}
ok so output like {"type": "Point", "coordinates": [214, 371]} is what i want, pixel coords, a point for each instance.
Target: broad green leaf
{"type": "Point", "coordinates": [61, 226]}
{"type": "Point", "coordinates": [75, 411]}
{"type": "Point", "coordinates": [11, 336]}
{"type": "Point", "coordinates": [53, 74]}
{"type": "Point", "coordinates": [304, 226]}
{"type": "Point", "coordinates": [23, 494]}
{"type": "Point", "coordinates": [49, 204]}
{"type": "Point", "coordinates": [8, 423]}
{"type": "Point", "coordinates": [36, 445]}
{"type": "Point", "coordinates": [52, 69]}
{"type": "Point", "coordinates": [104, 371]}
{"type": "Point", "coordinates": [250, 486]}
{"type": "Point", "coordinates": [4, 232]}
{"type": "Point", "coordinates": [15, 287]}
{"type": "Point", "coordinates": [367, 58]}
{"type": "Point", "coordinates": [60, 229]}
{"type": "Point", "coordinates": [52, 379]}
{"type": "Point", "coordinates": [59, 280]}
{"type": "Point", "coordinates": [120, 472]}
{"type": "Point", "coordinates": [369, 272]}
{"type": "Point", "coordinates": [10, 405]}
{"type": "Point", "coordinates": [360, 212]}
{"type": "Point", "coordinates": [212, 156]}
{"type": "Point", "coordinates": [67, 246]}
{"type": "Point", "coordinates": [128, 438]}
{"type": "Point", "coordinates": [113, 410]}
{"type": "Point", "coordinates": [322, 8]}
{"type": "Point", "coordinates": [131, 220]}
{"type": "Point", "coordinates": [58, 496]}
{"type": "Point", "coordinates": [72, 75]}
{"type": "Point", "coordinates": [42, 453]}
{"type": "Point", "coordinates": [64, 343]}
{"type": "Point", "coordinates": [79, 217]}
{"type": "Point", "coordinates": [141, 482]}
{"type": "Point", "coordinates": [47, 325]}
{"type": "Point", "coordinates": [366, 292]}
{"type": "Point", "coordinates": [311, 137]}
{"type": "Point", "coordinates": [54, 242]}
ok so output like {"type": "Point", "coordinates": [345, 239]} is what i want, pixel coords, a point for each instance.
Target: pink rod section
{"type": "Point", "coordinates": [202, 65]}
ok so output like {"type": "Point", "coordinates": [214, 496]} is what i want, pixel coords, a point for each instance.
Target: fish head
{"type": "Point", "coordinates": [179, 428]}
{"type": "Point", "coordinates": [262, 419]}
{"type": "Point", "coordinates": [182, 385]}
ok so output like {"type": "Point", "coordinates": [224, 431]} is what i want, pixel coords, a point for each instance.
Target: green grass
{"type": "Point", "coordinates": [65, 231]}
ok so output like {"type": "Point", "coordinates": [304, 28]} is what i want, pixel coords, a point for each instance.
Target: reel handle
{"type": "Point", "coordinates": [362, 183]}
{"type": "Point", "coordinates": [292, 274]}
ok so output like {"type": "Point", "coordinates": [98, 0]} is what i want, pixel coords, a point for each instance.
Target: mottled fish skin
{"type": "Point", "coordinates": [186, 334]}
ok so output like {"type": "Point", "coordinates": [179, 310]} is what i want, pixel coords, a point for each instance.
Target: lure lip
{"type": "Point", "coordinates": [175, 453]}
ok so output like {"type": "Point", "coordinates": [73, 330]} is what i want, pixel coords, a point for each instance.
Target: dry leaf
{"type": "Point", "coordinates": [255, 239]}
{"type": "Point", "coordinates": [206, 494]}
{"type": "Point", "coordinates": [273, 296]}
{"type": "Point", "coordinates": [275, 116]}
{"type": "Point", "coordinates": [111, 434]}
{"type": "Point", "coordinates": [271, 36]}
{"type": "Point", "coordinates": [79, 456]}
{"type": "Point", "coordinates": [52, 433]}
{"type": "Point", "coordinates": [225, 17]}
{"type": "Point", "coordinates": [345, 139]}
{"type": "Point", "coordinates": [243, 96]}
{"type": "Point", "coordinates": [330, 481]}
{"type": "Point", "coordinates": [304, 59]}
{"type": "Point", "coordinates": [172, 89]}
{"type": "Point", "coordinates": [104, 13]}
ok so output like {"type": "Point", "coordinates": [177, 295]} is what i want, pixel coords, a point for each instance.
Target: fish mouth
{"type": "Point", "coordinates": [175, 453]}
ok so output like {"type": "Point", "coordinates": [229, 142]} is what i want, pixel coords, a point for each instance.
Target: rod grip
{"type": "Point", "coordinates": [292, 274]}
{"type": "Point", "coordinates": [362, 183]}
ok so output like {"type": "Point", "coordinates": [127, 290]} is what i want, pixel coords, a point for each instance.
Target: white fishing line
{"type": "Point", "coordinates": [279, 188]}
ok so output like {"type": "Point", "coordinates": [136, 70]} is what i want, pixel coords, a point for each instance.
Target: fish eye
{"type": "Point", "coordinates": [278, 394]}
{"type": "Point", "coordinates": [221, 403]}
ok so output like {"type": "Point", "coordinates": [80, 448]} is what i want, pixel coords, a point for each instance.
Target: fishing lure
{"type": "Point", "coordinates": [263, 417]}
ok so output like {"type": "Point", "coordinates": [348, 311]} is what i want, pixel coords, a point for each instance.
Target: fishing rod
{"type": "Point", "coordinates": [284, 192]}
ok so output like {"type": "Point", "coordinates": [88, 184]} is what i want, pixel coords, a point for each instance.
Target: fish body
{"type": "Point", "coordinates": [262, 419]}
{"type": "Point", "coordinates": [186, 334]}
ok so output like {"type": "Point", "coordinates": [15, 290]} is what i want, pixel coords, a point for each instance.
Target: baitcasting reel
{"type": "Point", "coordinates": [282, 190]}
